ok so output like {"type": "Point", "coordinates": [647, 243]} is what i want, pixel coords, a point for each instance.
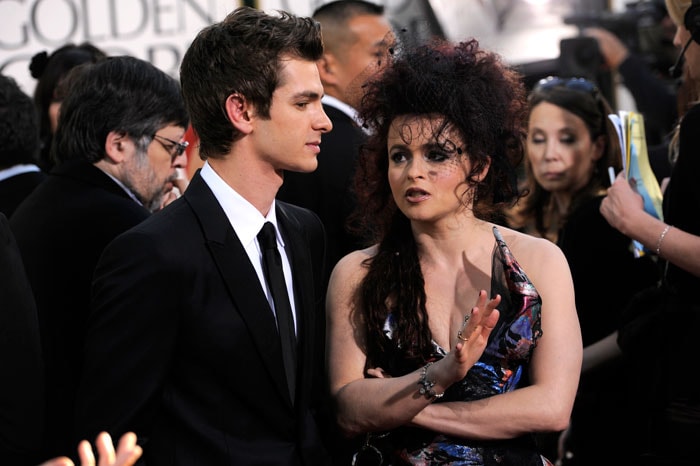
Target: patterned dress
{"type": "Point", "coordinates": [502, 368]}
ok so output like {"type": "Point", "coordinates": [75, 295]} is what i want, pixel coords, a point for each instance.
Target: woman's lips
{"type": "Point", "coordinates": [416, 195]}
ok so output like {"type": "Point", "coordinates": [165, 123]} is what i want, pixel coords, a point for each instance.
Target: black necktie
{"type": "Point", "coordinates": [272, 267]}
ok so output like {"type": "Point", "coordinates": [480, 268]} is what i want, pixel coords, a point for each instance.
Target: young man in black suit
{"type": "Point", "coordinates": [19, 146]}
{"type": "Point", "coordinates": [117, 152]}
{"type": "Point", "coordinates": [183, 345]}
{"type": "Point", "coordinates": [356, 40]}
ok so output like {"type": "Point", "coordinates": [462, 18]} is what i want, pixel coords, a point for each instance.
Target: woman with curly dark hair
{"type": "Point", "coordinates": [436, 333]}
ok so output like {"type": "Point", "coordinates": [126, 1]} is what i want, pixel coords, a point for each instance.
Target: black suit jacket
{"type": "Point", "coordinates": [328, 190]}
{"type": "Point", "coordinates": [15, 189]}
{"type": "Point", "coordinates": [61, 229]}
{"type": "Point", "coordinates": [22, 387]}
{"type": "Point", "coordinates": [182, 346]}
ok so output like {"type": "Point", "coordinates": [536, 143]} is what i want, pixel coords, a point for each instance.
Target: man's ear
{"type": "Point", "coordinates": [117, 147]}
{"type": "Point", "coordinates": [327, 69]}
{"type": "Point", "coordinates": [239, 113]}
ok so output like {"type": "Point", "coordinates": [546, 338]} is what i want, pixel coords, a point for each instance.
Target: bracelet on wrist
{"type": "Point", "coordinates": [661, 239]}
{"type": "Point", "coordinates": [426, 386]}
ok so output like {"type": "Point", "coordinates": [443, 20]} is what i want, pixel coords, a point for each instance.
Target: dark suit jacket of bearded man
{"type": "Point", "coordinates": [61, 229]}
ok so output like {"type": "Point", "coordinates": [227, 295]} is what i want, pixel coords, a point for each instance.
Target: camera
{"type": "Point", "coordinates": [640, 27]}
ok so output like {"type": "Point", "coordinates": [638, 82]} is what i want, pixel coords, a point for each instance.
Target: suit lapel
{"type": "Point", "coordinates": [240, 278]}
{"type": "Point", "coordinates": [297, 248]}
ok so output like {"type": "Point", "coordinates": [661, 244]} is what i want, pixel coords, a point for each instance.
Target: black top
{"type": "Point", "coordinates": [604, 270]}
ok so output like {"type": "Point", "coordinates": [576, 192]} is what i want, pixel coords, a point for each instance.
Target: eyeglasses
{"type": "Point", "coordinates": [176, 149]}
{"type": "Point", "coordinates": [575, 84]}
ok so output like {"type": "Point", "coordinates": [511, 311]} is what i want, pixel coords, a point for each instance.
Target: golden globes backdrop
{"type": "Point", "coordinates": [158, 31]}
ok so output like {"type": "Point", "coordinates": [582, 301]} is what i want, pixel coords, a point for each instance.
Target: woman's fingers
{"type": "Point", "coordinates": [377, 373]}
{"type": "Point", "coordinates": [481, 315]}
{"type": "Point", "coordinates": [490, 318]}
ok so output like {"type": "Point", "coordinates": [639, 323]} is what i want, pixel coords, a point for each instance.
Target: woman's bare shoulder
{"type": "Point", "coordinates": [352, 267]}
{"type": "Point", "coordinates": [529, 249]}
{"type": "Point", "coordinates": [542, 261]}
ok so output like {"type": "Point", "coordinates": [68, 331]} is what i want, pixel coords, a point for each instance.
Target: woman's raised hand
{"type": "Point", "coordinates": [471, 339]}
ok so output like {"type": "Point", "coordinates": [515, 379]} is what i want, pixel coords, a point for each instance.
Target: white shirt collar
{"type": "Point", "coordinates": [245, 219]}
{"type": "Point", "coordinates": [17, 170]}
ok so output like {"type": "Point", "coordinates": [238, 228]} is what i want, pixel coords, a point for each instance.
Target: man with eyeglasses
{"type": "Point", "coordinates": [117, 148]}
{"type": "Point", "coordinates": [175, 148]}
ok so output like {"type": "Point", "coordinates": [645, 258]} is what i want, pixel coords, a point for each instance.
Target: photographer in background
{"type": "Point", "coordinates": [638, 45]}
{"type": "Point", "coordinates": [655, 99]}
{"type": "Point", "coordinates": [653, 92]}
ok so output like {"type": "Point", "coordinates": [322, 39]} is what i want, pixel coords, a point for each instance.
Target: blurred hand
{"type": "Point", "coordinates": [170, 196]}
{"type": "Point", "coordinates": [128, 452]}
{"type": "Point", "coordinates": [622, 205]}
{"type": "Point", "coordinates": [614, 51]}
{"type": "Point", "coordinates": [180, 183]}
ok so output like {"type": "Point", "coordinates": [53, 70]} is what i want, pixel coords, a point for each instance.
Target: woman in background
{"type": "Point", "coordinates": [49, 71]}
{"type": "Point", "coordinates": [571, 143]}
